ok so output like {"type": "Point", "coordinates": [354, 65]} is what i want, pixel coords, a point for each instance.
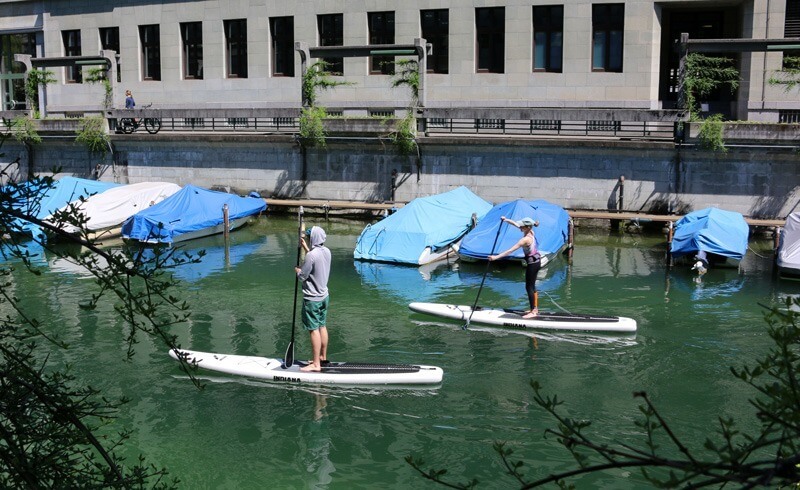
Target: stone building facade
{"type": "Point", "coordinates": [485, 53]}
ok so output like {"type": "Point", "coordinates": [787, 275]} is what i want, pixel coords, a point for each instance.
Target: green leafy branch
{"type": "Point", "coordinates": [33, 80]}
{"type": "Point", "coordinates": [789, 76]}
{"type": "Point", "coordinates": [100, 75]}
{"type": "Point", "coordinates": [703, 75]}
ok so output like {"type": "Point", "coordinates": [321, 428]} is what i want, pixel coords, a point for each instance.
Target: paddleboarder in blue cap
{"type": "Point", "coordinates": [532, 260]}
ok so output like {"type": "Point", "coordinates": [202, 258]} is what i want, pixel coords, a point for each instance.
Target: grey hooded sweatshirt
{"type": "Point", "coordinates": [316, 268]}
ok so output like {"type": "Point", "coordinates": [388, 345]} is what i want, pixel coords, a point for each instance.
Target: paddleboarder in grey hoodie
{"type": "Point", "coordinates": [314, 275]}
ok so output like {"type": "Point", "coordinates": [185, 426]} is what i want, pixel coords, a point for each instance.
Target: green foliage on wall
{"type": "Point", "coordinates": [33, 80]}
{"type": "Point", "coordinates": [93, 135]}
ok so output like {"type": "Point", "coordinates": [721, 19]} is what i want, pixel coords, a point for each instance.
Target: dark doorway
{"type": "Point", "coordinates": [699, 24]}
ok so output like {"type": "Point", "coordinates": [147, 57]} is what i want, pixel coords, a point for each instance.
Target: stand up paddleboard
{"type": "Point", "coordinates": [345, 373]}
{"type": "Point", "coordinates": [508, 318]}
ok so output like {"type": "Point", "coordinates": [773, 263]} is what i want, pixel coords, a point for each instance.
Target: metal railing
{"type": "Point", "coordinates": [536, 122]}
{"type": "Point", "coordinates": [550, 127]}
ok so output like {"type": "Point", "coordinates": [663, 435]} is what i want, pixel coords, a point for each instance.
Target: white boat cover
{"type": "Point", "coordinates": [789, 251]}
{"type": "Point", "coordinates": [114, 206]}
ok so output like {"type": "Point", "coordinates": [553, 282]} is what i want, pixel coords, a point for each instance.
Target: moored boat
{"type": "Point", "coordinates": [105, 212]}
{"type": "Point", "coordinates": [710, 237]}
{"type": "Point", "coordinates": [425, 230]}
{"type": "Point", "coordinates": [192, 212]}
{"type": "Point", "coordinates": [551, 234]}
{"type": "Point", "coordinates": [38, 199]}
{"type": "Point", "coordinates": [788, 261]}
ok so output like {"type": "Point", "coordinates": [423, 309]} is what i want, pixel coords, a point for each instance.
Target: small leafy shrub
{"type": "Point", "coordinates": [711, 134]}
{"type": "Point", "coordinates": [312, 131]}
{"type": "Point", "coordinates": [93, 135]}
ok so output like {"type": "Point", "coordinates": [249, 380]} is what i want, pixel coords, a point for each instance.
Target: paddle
{"type": "Point", "coordinates": [488, 262]}
{"type": "Point", "coordinates": [288, 359]}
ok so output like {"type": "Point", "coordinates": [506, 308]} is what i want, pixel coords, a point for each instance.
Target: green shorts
{"type": "Point", "coordinates": [315, 313]}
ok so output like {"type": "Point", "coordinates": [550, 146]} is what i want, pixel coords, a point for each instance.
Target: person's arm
{"type": "Point", "coordinates": [522, 241]}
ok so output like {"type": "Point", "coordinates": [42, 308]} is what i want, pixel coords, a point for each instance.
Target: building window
{"type": "Point", "coordinates": [192, 39]}
{"type": "Point", "coordinates": [282, 29]}
{"type": "Point", "coordinates": [608, 23]}
{"type": "Point", "coordinates": [236, 48]}
{"type": "Point", "coordinates": [791, 27]}
{"type": "Point", "coordinates": [151, 52]}
{"type": "Point", "coordinates": [381, 31]}
{"type": "Point", "coordinates": [548, 35]}
{"type": "Point", "coordinates": [331, 33]}
{"type": "Point", "coordinates": [109, 39]}
{"type": "Point", "coordinates": [491, 39]}
{"type": "Point", "coordinates": [436, 30]}
{"type": "Point", "coordinates": [72, 47]}
{"type": "Point", "coordinates": [12, 86]}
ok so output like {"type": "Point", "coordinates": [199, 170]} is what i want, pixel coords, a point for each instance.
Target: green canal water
{"type": "Point", "coordinates": [238, 433]}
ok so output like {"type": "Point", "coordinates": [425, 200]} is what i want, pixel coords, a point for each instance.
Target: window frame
{"type": "Point", "coordinates": [330, 32]}
{"type": "Point", "coordinates": [191, 50]}
{"type": "Point", "coordinates": [71, 42]}
{"type": "Point", "coordinates": [490, 34]}
{"type": "Point", "coordinates": [150, 42]}
{"type": "Point", "coordinates": [606, 22]}
{"type": "Point", "coordinates": [437, 33]}
{"type": "Point", "coordinates": [111, 44]}
{"type": "Point", "coordinates": [385, 21]}
{"type": "Point", "coordinates": [235, 48]}
{"type": "Point", "coordinates": [282, 43]}
{"type": "Point", "coordinates": [551, 24]}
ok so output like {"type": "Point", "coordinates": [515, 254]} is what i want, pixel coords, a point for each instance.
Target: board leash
{"type": "Point", "coordinates": [555, 303]}
{"type": "Point", "coordinates": [483, 279]}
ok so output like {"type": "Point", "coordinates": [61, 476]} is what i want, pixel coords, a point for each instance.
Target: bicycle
{"type": "Point", "coordinates": [129, 124]}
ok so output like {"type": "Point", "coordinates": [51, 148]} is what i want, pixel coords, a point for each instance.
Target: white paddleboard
{"type": "Point", "coordinates": [345, 373]}
{"type": "Point", "coordinates": [508, 318]}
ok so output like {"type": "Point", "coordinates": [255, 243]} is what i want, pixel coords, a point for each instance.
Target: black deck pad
{"type": "Point", "coordinates": [565, 317]}
{"type": "Point", "coordinates": [365, 368]}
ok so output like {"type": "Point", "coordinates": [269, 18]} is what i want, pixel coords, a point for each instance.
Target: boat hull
{"type": "Point", "coordinates": [335, 373]}
{"type": "Point", "coordinates": [512, 319]}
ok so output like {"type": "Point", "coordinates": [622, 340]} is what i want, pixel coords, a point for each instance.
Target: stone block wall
{"type": "Point", "coordinates": [755, 181]}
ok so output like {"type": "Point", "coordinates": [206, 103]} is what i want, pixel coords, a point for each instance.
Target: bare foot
{"type": "Point", "coordinates": [531, 314]}
{"type": "Point", "coordinates": [310, 369]}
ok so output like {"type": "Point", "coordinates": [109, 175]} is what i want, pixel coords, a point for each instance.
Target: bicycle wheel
{"type": "Point", "coordinates": [152, 125]}
{"type": "Point", "coordinates": [127, 125]}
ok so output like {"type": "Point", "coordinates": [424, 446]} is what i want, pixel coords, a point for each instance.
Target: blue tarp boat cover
{"type": "Point", "coordinates": [551, 234]}
{"type": "Point", "coordinates": [190, 209]}
{"type": "Point", "coordinates": [433, 221]}
{"type": "Point", "coordinates": [711, 230]}
{"type": "Point", "coordinates": [50, 199]}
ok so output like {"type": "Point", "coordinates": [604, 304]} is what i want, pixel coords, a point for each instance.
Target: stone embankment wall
{"type": "Point", "coordinates": [759, 182]}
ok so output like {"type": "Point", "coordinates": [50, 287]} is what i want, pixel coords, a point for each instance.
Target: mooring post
{"type": "Point", "coordinates": [394, 182]}
{"type": "Point", "coordinates": [225, 221]}
{"type": "Point", "coordinates": [670, 232]}
{"type": "Point", "coordinates": [615, 223]}
{"type": "Point", "coordinates": [571, 239]}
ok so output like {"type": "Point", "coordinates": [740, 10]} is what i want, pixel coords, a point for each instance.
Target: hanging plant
{"type": "Point", "coordinates": [405, 135]}
{"type": "Point", "coordinates": [93, 135]}
{"type": "Point", "coordinates": [789, 76]}
{"type": "Point", "coordinates": [33, 80]}
{"type": "Point", "coordinates": [100, 75]}
{"type": "Point", "coordinates": [704, 74]}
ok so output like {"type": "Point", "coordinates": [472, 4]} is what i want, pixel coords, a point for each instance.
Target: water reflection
{"type": "Point", "coordinates": [714, 284]}
{"type": "Point", "coordinates": [219, 256]}
{"type": "Point", "coordinates": [424, 283]}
